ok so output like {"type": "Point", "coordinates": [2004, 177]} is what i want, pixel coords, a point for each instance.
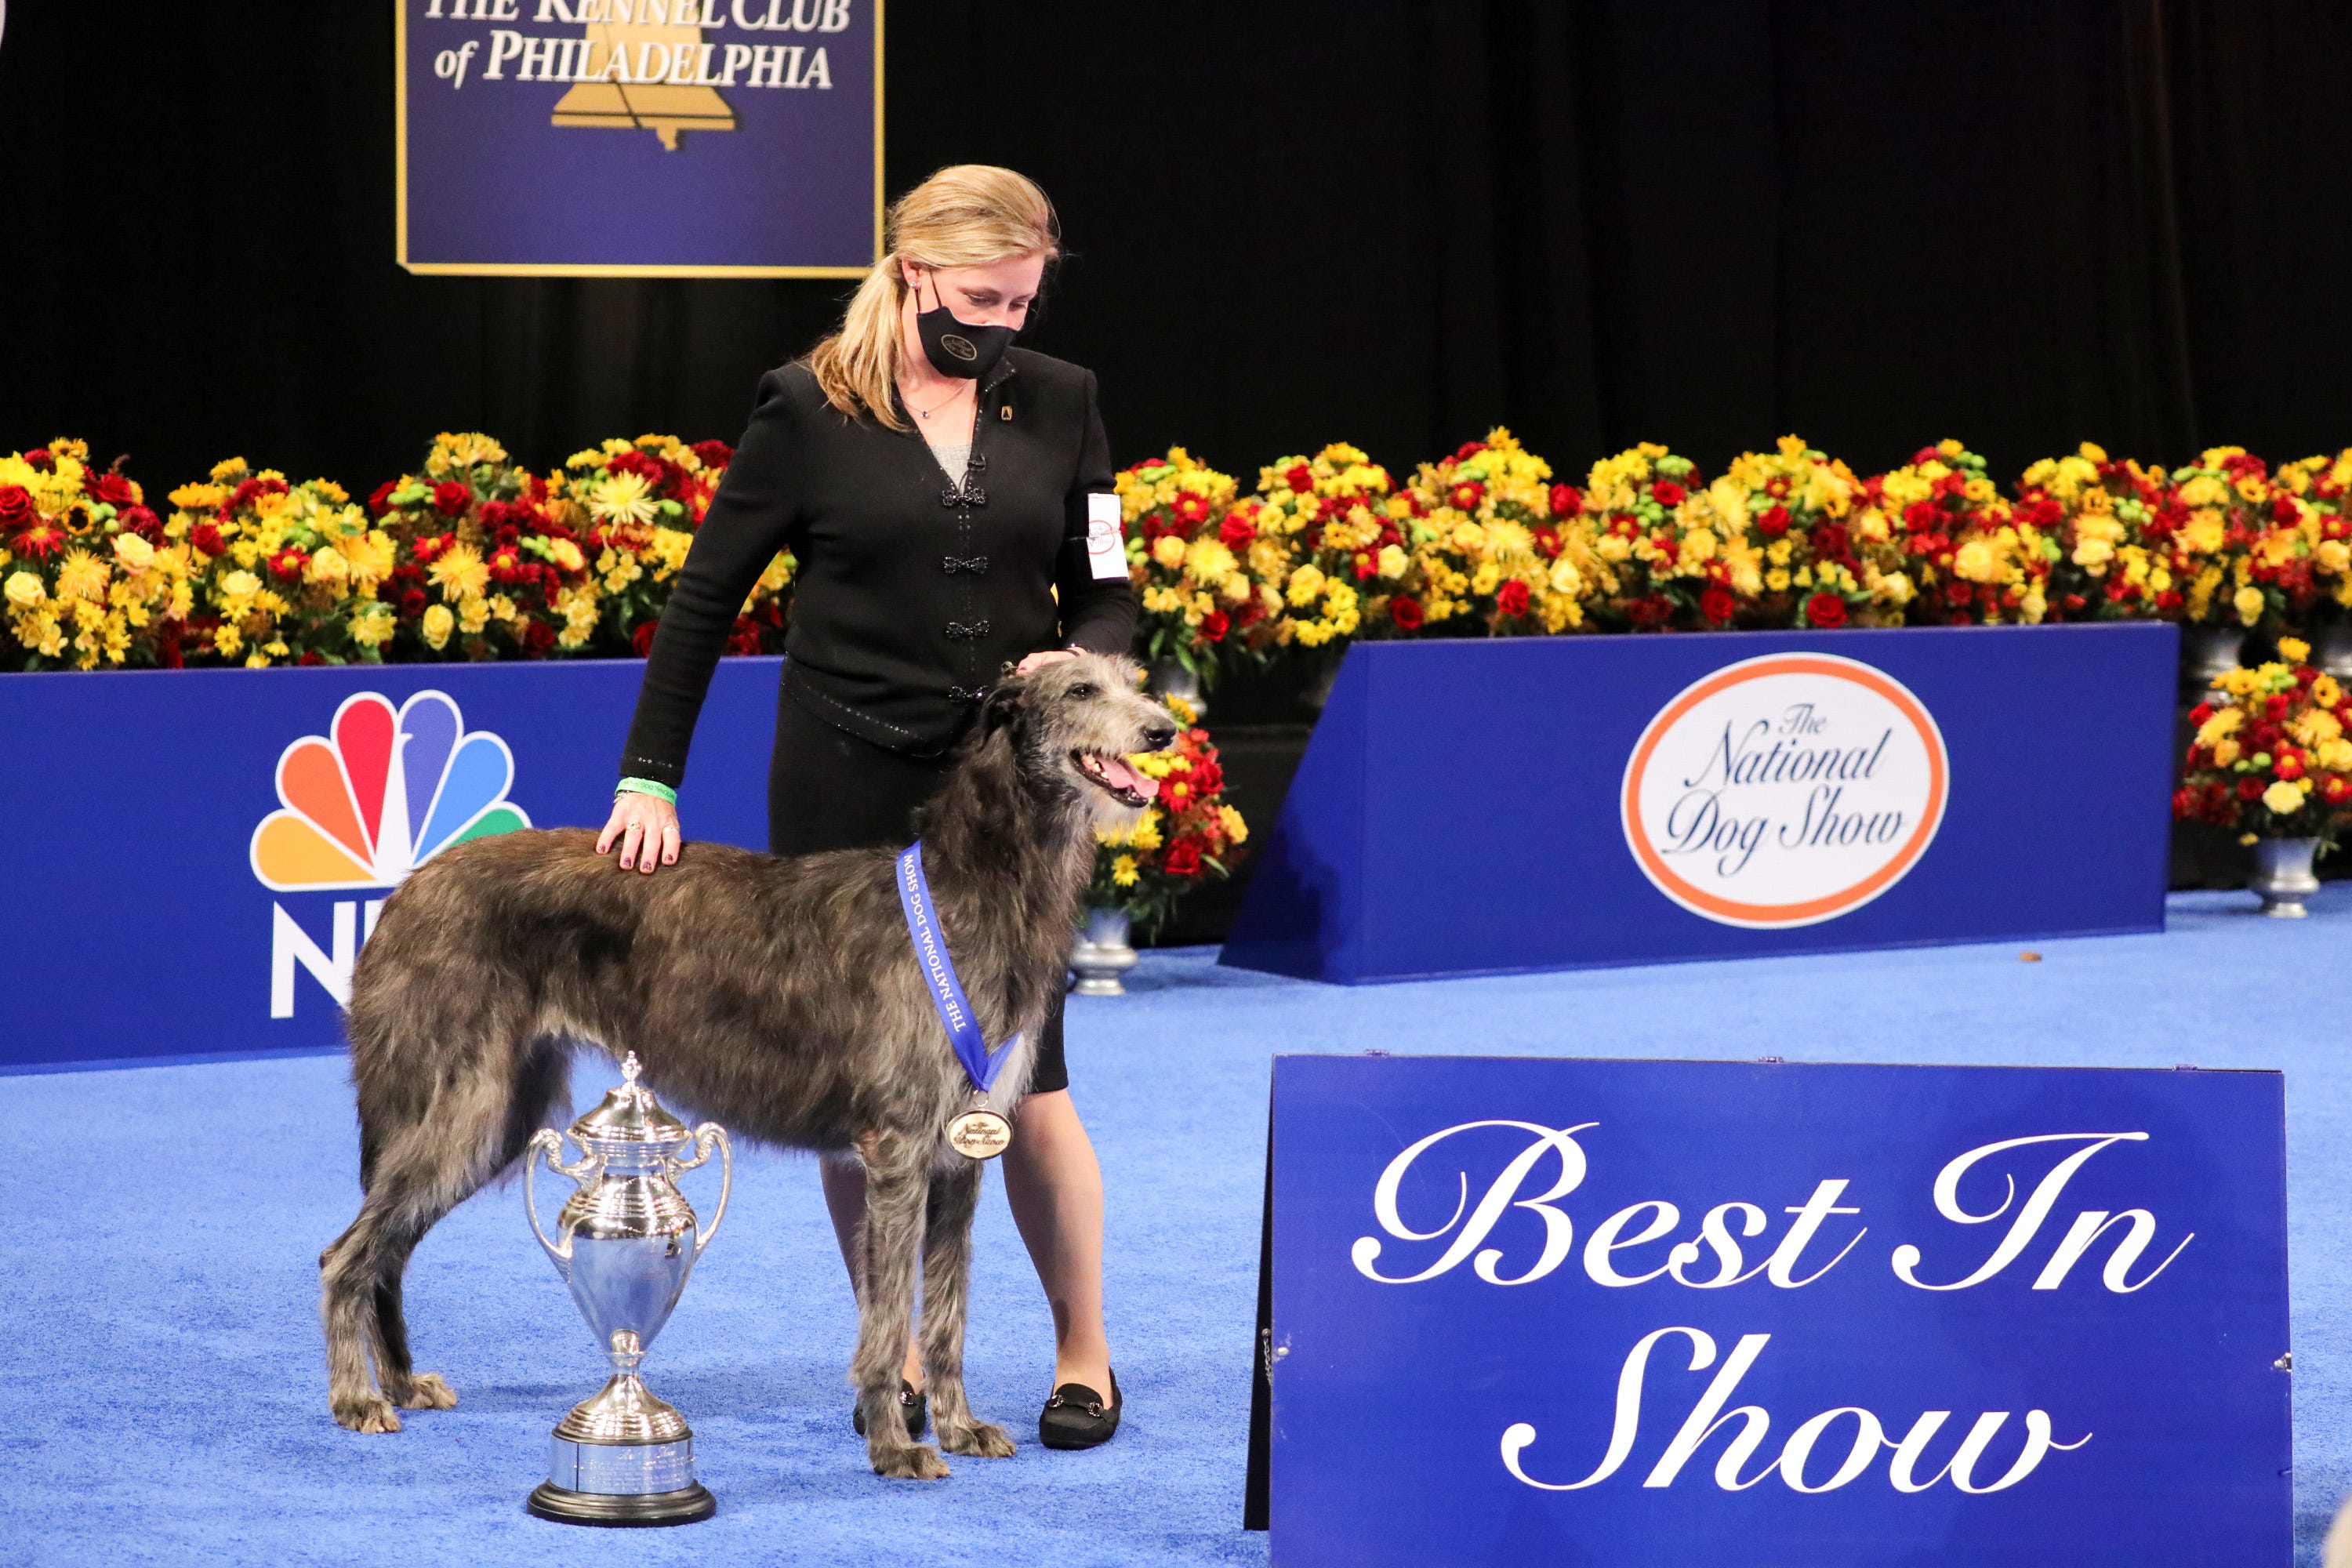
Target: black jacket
{"type": "Point", "coordinates": [911, 593]}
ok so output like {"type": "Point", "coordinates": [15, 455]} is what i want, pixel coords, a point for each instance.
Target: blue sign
{"type": "Point", "coordinates": [206, 850]}
{"type": "Point", "coordinates": [640, 138]}
{"type": "Point", "coordinates": [1654, 1314]}
{"type": "Point", "coordinates": [1551, 803]}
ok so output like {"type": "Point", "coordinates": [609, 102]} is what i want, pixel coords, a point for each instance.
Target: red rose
{"type": "Point", "coordinates": [1826, 610]}
{"type": "Point", "coordinates": [1405, 611]}
{"type": "Point", "coordinates": [538, 636]}
{"type": "Point", "coordinates": [642, 639]}
{"type": "Point", "coordinates": [412, 602]}
{"type": "Point", "coordinates": [2198, 714]}
{"type": "Point", "coordinates": [1301, 479]}
{"type": "Point", "coordinates": [2184, 802]}
{"type": "Point", "coordinates": [381, 502]}
{"type": "Point", "coordinates": [451, 499]}
{"type": "Point", "coordinates": [111, 489]}
{"type": "Point", "coordinates": [1924, 456]}
{"type": "Point", "coordinates": [1773, 522]}
{"type": "Point", "coordinates": [138, 519]}
{"type": "Point", "coordinates": [2249, 788]}
{"type": "Point", "coordinates": [1183, 858]}
{"type": "Point", "coordinates": [713, 454]}
{"type": "Point", "coordinates": [1467, 495]}
{"type": "Point", "coordinates": [1667, 494]}
{"type": "Point", "coordinates": [644, 465]}
{"type": "Point", "coordinates": [1237, 530]}
{"type": "Point", "coordinates": [15, 506]}
{"type": "Point", "coordinates": [206, 537]}
{"type": "Point", "coordinates": [1511, 598]}
{"type": "Point", "coordinates": [1959, 594]}
{"type": "Point", "coordinates": [1214, 624]}
{"type": "Point", "coordinates": [2275, 707]}
{"type": "Point", "coordinates": [1717, 603]}
{"type": "Point", "coordinates": [1566, 502]}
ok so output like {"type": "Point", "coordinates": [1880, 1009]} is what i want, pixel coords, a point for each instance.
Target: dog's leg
{"type": "Point", "coordinates": [888, 1243]}
{"type": "Point", "coordinates": [947, 1276]}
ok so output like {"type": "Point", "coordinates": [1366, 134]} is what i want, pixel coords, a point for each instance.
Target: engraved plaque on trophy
{"type": "Point", "coordinates": [624, 1242]}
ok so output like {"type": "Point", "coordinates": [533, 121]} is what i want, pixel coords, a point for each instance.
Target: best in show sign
{"type": "Point", "coordinates": [640, 138]}
{"type": "Point", "coordinates": [1667, 1313]}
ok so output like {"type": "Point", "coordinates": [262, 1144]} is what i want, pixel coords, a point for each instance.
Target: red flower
{"type": "Point", "coordinates": [1717, 604]}
{"type": "Point", "coordinates": [40, 540]}
{"type": "Point", "coordinates": [1667, 494]}
{"type": "Point", "coordinates": [1300, 478]}
{"type": "Point", "coordinates": [642, 639]}
{"type": "Point", "coordinates": [713, 454]}
{"type": "Point", "coordinates": [287, 565]}
{"type": "Point", "coordinates": [1924, 456]}
{"type": "Point", "coordinates": [2249, 788]}
{"type": "Point", "coordinates": [167, 646]}
{"type": "Point", "coordinates": [1193, 510]}
{"type": "Point", "coordinates": [2275, 707]}
{"type": "Point", "coordinates": [15, 506]}
{"type": "Point", "coordinates": [2198, 714]}
{"type": "Point", "coordinates": [1237, 530]}
{"type": "Point", "coordinates": [2335, 790]}
{"type": "Point", "coordinates": [206, 537]}
{"type": "Point", "coordinates": [1566, 502]}
{"type": "Point", "coordinates": [110, 487]}
{"type": "Point", "coordinates": [381, 502]}
{"type": "Point", "coordinates": [538, 636]}
{"type": "Point", "coordinates": [2288, 766]}
{"type": "Point", "coordinates": [1511, 598]}
{"type": "Point", "coordinates": [1469, 450]}
{"type": "Point", "coordinates": [1183, 858]}
{"type": "Point", "coordinates": [138, 519]}
{"type": "Point", "coordinates": [1959, 594]}
{"type": "Point", "coordinates": [451, 499]}
{"type": "Point", "coordinates": [311, 656]}
{"type": "Point", "coordinates": [41, 459]}
{"type": "Point", "coordinates": [1826, 610]}
{"type": "Point", "coordinates": [1405, 611]}
{"type": "Point", "coordinates": [412, 602]}
{"type": "Point", "coordinates": [1773, 522]}
{"type": "Point", "coordinates": [1214, 624]}
{"type": "Point", "coordinates": [1467, 495]}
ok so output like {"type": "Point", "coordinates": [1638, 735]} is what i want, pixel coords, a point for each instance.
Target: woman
{"type": "Point", "coordinates": [933, 483]}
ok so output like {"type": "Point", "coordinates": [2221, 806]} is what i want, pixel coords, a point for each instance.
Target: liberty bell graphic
{"type": "Point", "coordinates": [653, 56]}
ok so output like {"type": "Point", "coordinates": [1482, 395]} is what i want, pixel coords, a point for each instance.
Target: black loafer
{"type": "Point", "coordinates": [1077, 1417]}
{"type": "Point", "coordinates": [915, 1405]}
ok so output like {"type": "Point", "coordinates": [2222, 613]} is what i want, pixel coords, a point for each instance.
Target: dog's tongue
{"type": "Point", "coordinates": [1118, 772]}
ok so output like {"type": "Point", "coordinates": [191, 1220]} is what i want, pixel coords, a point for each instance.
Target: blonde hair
{"type": "Point", "coordinates": [967, 215]}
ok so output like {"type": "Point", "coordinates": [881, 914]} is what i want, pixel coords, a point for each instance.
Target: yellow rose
{"type": "Point", "coordinates": [2335, 755]}
{"type": "Point", "coordinates": [2248, 602]}
{"type": "Point", "coordinates": [24, 590]}
{"type": "Point", "coordinates": [240, 584]}
{"type": "Point", "coordinates": [2283, 798]}
{"type": "Point", "coordinates": [135, 553]}
{"type": "Point", "coordinates": [1169, 551]}
{"type": "Point", "coordinates": [1391, 561]}
{"type": "Point", "coordinates": [438, 625]}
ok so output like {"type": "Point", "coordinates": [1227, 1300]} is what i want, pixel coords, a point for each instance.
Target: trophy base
{"type": "Point", "coordinates": [623, 1510]}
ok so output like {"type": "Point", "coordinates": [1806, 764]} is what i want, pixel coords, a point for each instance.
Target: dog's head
{"type": "Point", "coordinates": [1073, 722]}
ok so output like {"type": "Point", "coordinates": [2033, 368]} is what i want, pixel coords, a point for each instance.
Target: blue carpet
{"type": "Point", "coordinates": [165, 1399]}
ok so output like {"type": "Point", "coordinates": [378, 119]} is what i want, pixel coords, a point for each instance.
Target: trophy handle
{"type": "Point", "coordinates": [548, 1141]}
{"type": "Point", "coordinates": [707, 1134]}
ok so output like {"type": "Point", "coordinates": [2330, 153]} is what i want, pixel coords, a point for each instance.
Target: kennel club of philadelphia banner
{"type": "Point", "coordinates": [254, 821]}
{"type": "Point", "coordinates": [1654, 1314]}
{"type": "Point", "coordinates": [640, 138]}
{"type": "Point", "coordinates": [1634, 800]}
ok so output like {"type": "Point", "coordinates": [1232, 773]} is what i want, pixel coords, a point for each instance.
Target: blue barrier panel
{"type": "Point", "coordinates": [1654, 1314]}
{"type": "Point", "coordinates": [1551, 803]}
{"type": "Point", "coordinates": [193, 878]}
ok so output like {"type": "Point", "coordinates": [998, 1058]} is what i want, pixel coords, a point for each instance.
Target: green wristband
{"type": "Point", "coordinates": [647, 786]}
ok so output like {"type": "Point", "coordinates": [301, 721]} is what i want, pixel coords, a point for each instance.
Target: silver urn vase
{"type": "Point", "coordinates": [1169, 678]}
{"type": "Point", "coordinates": [2331, 650]}
{"type": "Point", "coordinates": [624, 1242]}
{"type": "Point", "coordinates": [2206, 654]}
{"type": "Point", "coordinates": [2283, 877]}
{"type": "Point", "coordinates": [1101, 954]}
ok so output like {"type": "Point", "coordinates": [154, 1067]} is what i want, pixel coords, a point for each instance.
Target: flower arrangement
{"type": "Point", "coordinates": [1186, 836]}
{"type": "Point", "coordinates": [1320, 527]}
{"type": "Point", "coordinates": [1971, 557]}
{"type": "Point", "coordinates": [634, 507]}
{"type": "Point", "coordinates": [1659, 559]}
{"type": "Point", "coordinates": [1826, 557]}
{"type": "Point", "coordinates": [2097, 511]}
{"type": "Point", "coordinates": [1200, 603]}
{"type": "Point", "coordinates": [1488, 549]}
{"type": "Point", "coordinates": [83, 578]}
{"type": "Point", "coordinates": [278, 572]}
{"type": "Point", "coordinates": [2313, 568]}
{"type": "Point", "coordinates": [2271, 758]}
{"type": "Point", "coordinates": [2203, 537]}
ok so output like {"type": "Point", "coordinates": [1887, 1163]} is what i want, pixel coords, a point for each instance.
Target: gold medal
{"type": "Point", "coordinates": [980, 1134]}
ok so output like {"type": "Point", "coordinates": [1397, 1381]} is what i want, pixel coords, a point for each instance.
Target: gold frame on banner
{"type": "Point", "coordinates": [591, 270]}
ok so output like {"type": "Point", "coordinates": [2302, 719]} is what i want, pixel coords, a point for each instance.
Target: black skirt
{"type": "Point", "coordinates": [828, 789]}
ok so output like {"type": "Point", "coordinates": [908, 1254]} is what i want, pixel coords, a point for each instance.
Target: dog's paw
{"type": "Point", "coordinates": [979, 1440]}
{"type": "Point", "coordinates": [916, 1462]}
{"type": "Point", "coordinates": [369, 1412]}
{"type": "Point", "coordinates": [428, 1391]}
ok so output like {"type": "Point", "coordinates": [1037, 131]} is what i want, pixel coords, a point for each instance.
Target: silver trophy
{"type": "Point", "coordinates": [628, 1241]}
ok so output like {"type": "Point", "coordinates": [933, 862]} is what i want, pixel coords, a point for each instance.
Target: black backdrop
{"type": "Point", "coordinates": [1388, 221]}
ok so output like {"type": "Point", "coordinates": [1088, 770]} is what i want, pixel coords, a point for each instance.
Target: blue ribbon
{"type": "Point", "coordinates": [939, 970]}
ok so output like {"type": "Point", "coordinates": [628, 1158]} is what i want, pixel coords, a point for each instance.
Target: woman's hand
{"type": "Point", "coordinates": [1043, 656]}
{"type": "Point", "coordinates": [645, 827]}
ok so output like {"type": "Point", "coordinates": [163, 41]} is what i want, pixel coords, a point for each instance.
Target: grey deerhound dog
{"type": "Point", "coordinates": [780, 996]}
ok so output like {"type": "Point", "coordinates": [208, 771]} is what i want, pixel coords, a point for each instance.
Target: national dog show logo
{"type": "Point", "coordinates": [381, 794]}
{"type": "Point", "coordinates": [1785, 790]}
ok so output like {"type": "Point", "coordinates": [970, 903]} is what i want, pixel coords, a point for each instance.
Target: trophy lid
{"type": "Point", "coordinates": [629, 1114]}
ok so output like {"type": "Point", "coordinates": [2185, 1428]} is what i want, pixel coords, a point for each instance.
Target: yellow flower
{"type": "Point", "coordinates": [240, 584]}
{"type": "Point", "coordinates": [621, 497]}
{"type": "Point", "coordinates": [2294, 650]}
{"type": "Point", "coordinates": [1122, 870]}
{"type": "Point", "coordinates": [460, 572]}
{"type": "Point", "coordinates": [82, 576]}
{"type": "Point", "coordinates": [436, 626]}
{"type": "Point", "coordinates": [24, 590]}
{"type": "Point", "coordinates": [1169, 551]}
{"type": "Point", "coordinates": [568, 556]}
{"type": "Point", "coordinates": [1304, 584]}
{"type": "Point", "coordinates": [2225, 752]}
{"type": "Point", "coordinates": [1236, 830]}
{"type": "Point", "coordinates": [2325, 692]}
{"type": "Point", "coordinates": [372, 625]}
{"type": "Point", "coordinates": [2335, 755]}
{"type": "Point", "coordinates": [2248, 602]}
{"type": "Point", "coordinates": [328, 566]}
{"type": "Point", "coordinates": [2225, 721]}
{"type": "Point", "coordinates": [2283, 798]}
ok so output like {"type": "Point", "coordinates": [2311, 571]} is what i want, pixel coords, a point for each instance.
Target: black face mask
{"type": "Point", "coordinates": [954, 347]}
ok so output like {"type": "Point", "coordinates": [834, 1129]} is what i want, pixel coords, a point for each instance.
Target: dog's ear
{"type": "Point", "coordinates": [1005, 705]}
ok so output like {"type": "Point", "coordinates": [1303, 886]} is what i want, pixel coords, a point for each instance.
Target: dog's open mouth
{"type": "Point", "coordinates": [1116, 777]}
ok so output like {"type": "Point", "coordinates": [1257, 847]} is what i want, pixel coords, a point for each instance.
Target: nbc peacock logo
{"type": "Point", "coordinates": [383, 793]}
